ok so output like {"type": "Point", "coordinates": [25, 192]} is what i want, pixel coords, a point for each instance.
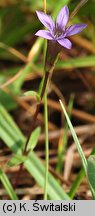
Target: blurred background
{"type": "Point", "coordinates": [73, 81]}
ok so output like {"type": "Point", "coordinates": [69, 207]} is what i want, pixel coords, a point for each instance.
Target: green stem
{"type": "Point", "coordinates": [46, 123]}
{"type": "Point", "coordinates": [46, 144]}
{"type": "Point", "coordinates": [76, 183]}
{"type": "Point", "coordinates": [61, 151]}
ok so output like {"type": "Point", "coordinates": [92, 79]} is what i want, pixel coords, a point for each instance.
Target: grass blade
{"type": "Point", "coordinates": [83, 159]}
{"type": "Point", "coordinates": [5, 181]}
{"type": "Point", "coordinates": [33, 163]}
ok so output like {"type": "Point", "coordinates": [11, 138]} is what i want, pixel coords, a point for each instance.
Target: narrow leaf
{"type": "Point", "coordinates": [81, 153]}
{"type": "Point", "coordinates": [16, 160]}
{"type": "Point", "coordinates": [32, 93]}
{"type": "Point", "coordinates": [34, 139]}
{"type": "Point", "coordinates": [33, 164]}
{"type": "Point", "coordinates": [5, 181]}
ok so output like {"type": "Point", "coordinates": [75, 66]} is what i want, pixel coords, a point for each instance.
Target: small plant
{"type": "Point", "coordinates": [57, 35]}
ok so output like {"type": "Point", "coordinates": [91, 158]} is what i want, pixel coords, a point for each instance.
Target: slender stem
{"type": "Point", "coordinates": [37, 109]}
{"type": "Point", "coordinates": [44, 6]}
{"type": "Point", "coordinates": [44, 85]}
{"type": "Point", "coordinates": [46, 124]}
{"type": "Point", "coordinates": [33, 125]}
{"type": "Point", "coordinates": [46, 78]}
{"type": "Point", "coordinates": [46, 144]}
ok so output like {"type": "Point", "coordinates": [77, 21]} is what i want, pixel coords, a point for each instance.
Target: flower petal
{"type": "Point", "coordinates": [65, 43]}
{"type": "Point", "coordinates": [63, 17]}
{"type": "Point", "coordinates": [44, 34]}
{"type": "Point", "coordinates": [74, 29]}
{"type": "Point", "coordinates": [46, 20]}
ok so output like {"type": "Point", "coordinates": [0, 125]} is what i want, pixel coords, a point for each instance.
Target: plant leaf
{"type": "Point", "coordinates": [32, 93]}
{"type": "Point", "coordinates": [11, 137]}
{"type": "Point", "coordinates": [83, 159]}
{"type": "Point", "coordinates": [5, 181]}
{"type": "Point", "coordinates": [16, 160]}
{"type": "Point", "coordinates": [91, 170]}
{"type": "Point", "coordinates": [34, 139]}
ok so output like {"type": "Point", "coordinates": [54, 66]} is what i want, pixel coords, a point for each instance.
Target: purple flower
{"type": "Point", "coordinates": [57, 31]}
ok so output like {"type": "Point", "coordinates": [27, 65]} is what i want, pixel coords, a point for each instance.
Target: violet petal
{"type": "Point", "coordinates": [65, 43]}
{"type": "Point", "coordinates": [46, 20]}
{"type": "Point", "coordinates": [63, 17]}
{"type": "Point", "coordinates": [44, 34]}
{"type": "Point", "coordinates": [74, 29]}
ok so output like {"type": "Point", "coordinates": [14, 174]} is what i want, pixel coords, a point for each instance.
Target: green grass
{"type": "Point", "coordinates": [18, 24]}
